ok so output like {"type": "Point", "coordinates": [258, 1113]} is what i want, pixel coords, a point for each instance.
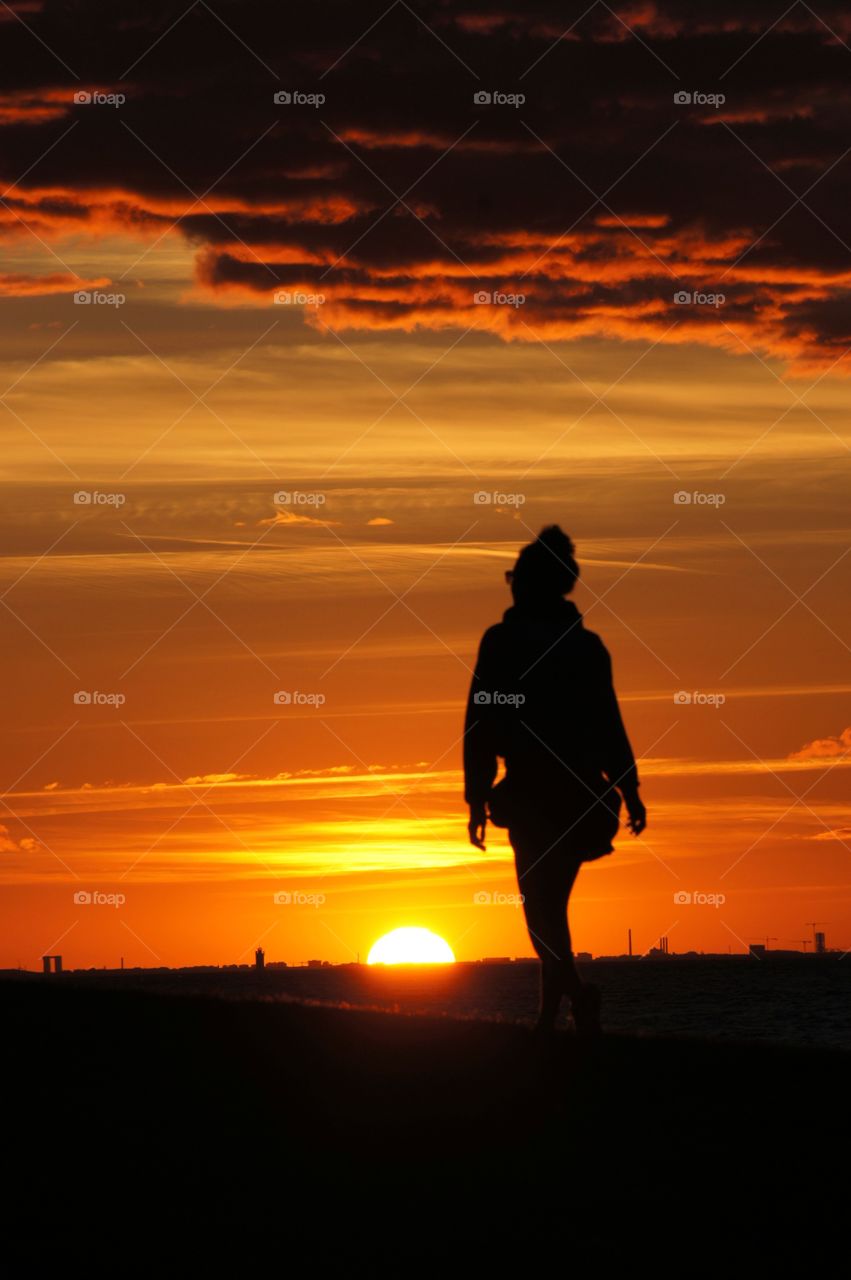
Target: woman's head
{"type": "Point", "coordinates": [545, 569]}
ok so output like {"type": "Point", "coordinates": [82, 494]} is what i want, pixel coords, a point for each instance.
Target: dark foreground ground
{"type": "Point", "coordinates": [144, 1130]}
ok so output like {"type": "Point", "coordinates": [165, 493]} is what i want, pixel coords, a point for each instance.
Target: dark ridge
{"type": "Point", "coordinates": [156, 1113]}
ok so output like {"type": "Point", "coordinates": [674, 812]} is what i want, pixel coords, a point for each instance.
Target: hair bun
{"type": "Point", "coordinates": [547, 565]}
{"type": "Point", "coordinates": [556, 540]}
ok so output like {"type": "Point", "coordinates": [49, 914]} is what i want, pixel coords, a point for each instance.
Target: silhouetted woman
{"type": "Point", "coordinates": [542, 698]}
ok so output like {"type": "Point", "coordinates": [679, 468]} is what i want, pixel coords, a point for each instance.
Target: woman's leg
{"type": "Point", "coordinates": [545, 878]}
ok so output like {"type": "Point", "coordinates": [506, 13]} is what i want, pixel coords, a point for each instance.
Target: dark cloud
{"type": "Point", "coordinates": [399, 197]}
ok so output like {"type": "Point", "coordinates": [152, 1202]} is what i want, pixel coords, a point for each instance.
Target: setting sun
{"type": "Point", "coordinates": [411, 946]}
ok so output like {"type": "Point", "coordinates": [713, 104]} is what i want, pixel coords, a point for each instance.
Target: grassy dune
{"type": "Point", "coordinates": [152, 1114]}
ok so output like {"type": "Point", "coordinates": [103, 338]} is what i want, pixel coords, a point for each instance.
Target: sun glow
{"type": "Point", "coordinates": [410, 945]}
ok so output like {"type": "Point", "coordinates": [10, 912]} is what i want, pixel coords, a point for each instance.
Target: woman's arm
{"type": "Point", "coordinates": [480, 757]}
{"type": "Point", "coordinates": [618, 759]}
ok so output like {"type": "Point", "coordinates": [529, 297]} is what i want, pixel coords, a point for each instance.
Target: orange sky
{"type": "Point", "coordinates": [184, 594]}
{"type": "Point", "coordinates": [199, 798]}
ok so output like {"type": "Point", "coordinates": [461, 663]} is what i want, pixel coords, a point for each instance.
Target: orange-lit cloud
{"type": "Point", "coordinates": [371, 201]}
{"type": "Point", "coordinates": [16, 285]}
{"type": "Point", "coordinates": [23, 844]}
{"type": "Point", "coordinates": [288, 518]}
{"type": "Point", "coordinates": [825, 748]}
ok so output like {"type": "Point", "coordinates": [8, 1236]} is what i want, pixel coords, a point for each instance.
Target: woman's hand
{"type": "Point", "coordinates": [476, 825]}
{"type": "Point", "coordinates": [637, 813]}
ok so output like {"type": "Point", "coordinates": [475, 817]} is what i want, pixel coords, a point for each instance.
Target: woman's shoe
{"type": "Point", "coordinates": [586, 1010]}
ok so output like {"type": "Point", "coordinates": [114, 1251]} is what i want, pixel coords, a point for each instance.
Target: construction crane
{"type": "Point", "coordinates": [814, 924]}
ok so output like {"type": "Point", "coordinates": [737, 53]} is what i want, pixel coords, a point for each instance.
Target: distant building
{"type": "Point", "coordinates": [259, 958]}
{"type": "Point", "coordinates": [757, 949]}
{"type": "Point", "coordinates": [315, 964]}
{"type": "Point", "coordinates": [584, 955]}
{"type": "Point", "coordinates": [820, 945]}
{"type": "Point", "coordinates": [46, 963]}
{"type": "Point", "coordinates": [495, 960]}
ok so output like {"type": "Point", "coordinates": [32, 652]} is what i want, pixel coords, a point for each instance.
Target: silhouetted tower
{"type": "Point", "coordinates": [820, 946]}
{"type": "Point", "coordinates": [51, 964]}
{"type": "Point", "coordinates": [629, 931]}
{"type": "Point", "coordinates": [260, 958]}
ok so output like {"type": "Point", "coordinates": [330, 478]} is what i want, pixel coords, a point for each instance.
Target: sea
{"type": "Point", "coordinates": [800, 1000]}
